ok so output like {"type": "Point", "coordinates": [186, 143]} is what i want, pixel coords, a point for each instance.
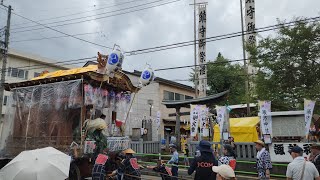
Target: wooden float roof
{"type": "Point", "coordinates": [119, 81]}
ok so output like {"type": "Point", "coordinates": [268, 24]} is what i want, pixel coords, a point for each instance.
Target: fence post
{"type": "Point", "coordinates": [159, 139]}
{"type": "Point", "coordinates": [140, 145]}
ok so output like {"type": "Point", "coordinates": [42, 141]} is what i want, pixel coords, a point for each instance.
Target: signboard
{"type": "Point", "coordinates": [279, 151]}
{"type": "Point", "coordinates": [194, 120]}
{"type": "Point", "coordinates": [158, 121]}
{"type": "Point", "coordinates": [308, 112]}
{"type": "Point", "coordinates": [202, 29]}
{"type": "Point", "coordinates": [265, 117]}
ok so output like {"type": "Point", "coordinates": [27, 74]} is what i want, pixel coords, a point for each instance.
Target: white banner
{"type": "Point", "coordinates": [194, 120]}
{"type": "Point", "coordinates": [308, 112]}
{"type": "Point", "coordinates": [202, 29]}
{"type": "Point", "coordinates": [158, 120]}
{"type": "Point", "coordinates": [279, 151]}
{"type": "Point", "coordinates": [204, 121]}
{"type": "Point", "coordinates": [222, 118]}
{"type": "Point", "coordinates": [265, 117]}
{"type": "Point", "coordinates": [250, 26]}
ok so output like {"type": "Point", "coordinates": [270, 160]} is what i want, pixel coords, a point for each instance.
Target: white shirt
{"type": "Point", "coordinates": [294, 169]}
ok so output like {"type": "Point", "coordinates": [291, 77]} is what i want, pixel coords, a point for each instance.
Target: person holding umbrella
{"type": "Point", "coordinates": [203, 164]}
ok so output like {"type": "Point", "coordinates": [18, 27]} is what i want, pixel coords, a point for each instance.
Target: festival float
{"type": "Point", "coordinates": [80, 111]}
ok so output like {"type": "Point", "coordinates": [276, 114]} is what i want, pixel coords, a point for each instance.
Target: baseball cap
{"type": "Point", "coordinates": [173, 146]}
{"type": "Point", "coordinates": [295, 149]}
{"type": "Point", "coordinates": [224, 170]}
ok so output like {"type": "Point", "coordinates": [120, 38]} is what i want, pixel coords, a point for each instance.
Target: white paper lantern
{"type": "Point", "coordinates": [147, 76]}
{"type": "Point", "coordinates": [114, 62]}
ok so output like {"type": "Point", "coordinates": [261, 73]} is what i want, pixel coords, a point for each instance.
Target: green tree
{"type": "Point", "coordinates": [222, 76]}
{"type": "Point", "coordinates": [288, 66]}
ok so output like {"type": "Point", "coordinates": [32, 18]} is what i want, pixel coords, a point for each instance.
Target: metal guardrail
{"type": "Point", "coordinates": [146, 146]}
{"type": "Point", "coordinates": [244, 151]}
{"type": "Point", "coordinates": [183, 166]}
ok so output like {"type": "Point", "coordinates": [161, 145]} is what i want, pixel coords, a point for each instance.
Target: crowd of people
{"type": "Point", "coordinates": [207, 164]}
{"type": "Point", "coordinates": [300, 168]}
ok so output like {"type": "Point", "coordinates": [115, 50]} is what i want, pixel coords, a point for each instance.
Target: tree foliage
{"type": "Point", "coordinates": [288, 66]}
{"type": "Point", "coordinates": [222, 76]}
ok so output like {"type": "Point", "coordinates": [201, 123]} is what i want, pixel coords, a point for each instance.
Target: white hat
{"type": "Point", "coordinates": [224, 170]}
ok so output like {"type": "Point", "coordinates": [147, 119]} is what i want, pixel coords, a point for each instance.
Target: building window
{"type": "Point", "coordinates": [14, 72]}
{"type": "Point", "coordinates": [36, 74]}
{"type": "Point", "coordinates": [178, 97]}
{"type": "Point", "coordinates": [26, 74]}
{"type": "Point", "coordinates": [20, 73]}
{"type": "Point", "coordinates": [175, 96]}
{"type": "Point", "coordinates": [9, 71]}
{"type": "Point", "coordinates": [188, 97]}
{"type": "Point", "coordinates": [168, 95]}
{"type": "Point", "coordinates": [5, 99]}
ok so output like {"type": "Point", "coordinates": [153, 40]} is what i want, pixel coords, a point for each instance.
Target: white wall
{"type": "Point", "coordinates": [141, 108]}
{"type": "Point", "coordinates": [23, 63]}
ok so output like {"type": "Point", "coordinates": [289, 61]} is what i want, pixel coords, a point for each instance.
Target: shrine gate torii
{"type": "Point", "coordinates": [208, 100]}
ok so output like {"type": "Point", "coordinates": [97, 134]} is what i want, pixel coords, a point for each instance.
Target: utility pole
{"type": "Point", "coordinates": [195, 49]}
{"type": "Point", "coordinates": [245, 63]}
{"type": "Point", "coordinates": [4, 52]}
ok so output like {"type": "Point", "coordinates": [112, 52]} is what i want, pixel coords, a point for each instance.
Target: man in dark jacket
{"type": "Point", "coordinates": [203, 164]}
{"type": "Point", "coordinates": [315, 151]}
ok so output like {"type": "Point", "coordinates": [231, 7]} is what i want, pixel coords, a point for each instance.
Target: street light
{"type": "Point", "coordinates": [150, 102]}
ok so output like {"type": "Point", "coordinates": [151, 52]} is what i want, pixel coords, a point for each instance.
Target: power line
{"type": "Point", "coordinates": [63, 32]}
{"type": "Point", "coordinates": [103, 17]}
{"type": "Point", "coordinates": [198, 65]}
{"type": "Point", "coordinates": [82, 12]}
{"type": "Point", "coordinates": [53, 37]}
{"type": "Point", "coordinates": [210, 41]}
{"type": "Point", "coordinates": [216, 38]}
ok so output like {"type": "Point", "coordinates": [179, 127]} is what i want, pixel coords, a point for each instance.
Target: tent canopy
{"type": "Point", "coordinates": [241, 129]}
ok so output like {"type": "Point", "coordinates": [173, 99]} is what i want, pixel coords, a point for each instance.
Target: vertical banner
{"type": "Point", "coordinates": [202, 74]}
{"type": "Point", "coordinates": [204, 121]}
{"type": "Point", "coordinates": [222, 119]}
{"type": "Point", "coordinates": [158, 121]}
{"type": "Point", "coordinates": [194, 120]}
{"type": "Point", "coordinates": [250, 26]}
{"type": "Point", "coordinates": [265, 117]}
{"type": "Point", "coordinates": [308, 112]}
